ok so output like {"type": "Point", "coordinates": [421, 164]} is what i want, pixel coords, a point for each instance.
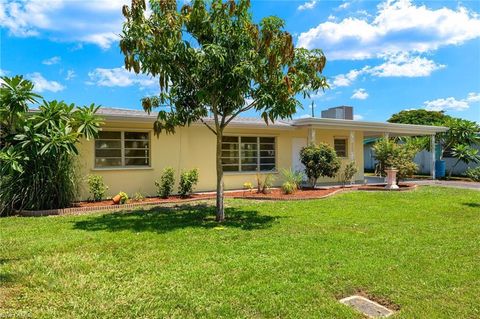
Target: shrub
{"type": "Point", "coordinates": [167, 181]}
{"type": "Point", "coordinates": [474, 173]}
{"type": "Point", "coordinates": [388, 153]}
{"type": "Point", "coordinates": [289, 188]}
{"type": "Point", "coordinates": [138, 197]}
{"type": "Point", "coordinates": [123, 198]}
{"type": "Point", "coordinates": [267, 183]}
{"type": "Point", "coordinates": [247, 186]}
{"type": "Point", "coordinates": [319, 161]}
{"type": "Point", "coordinates": [38, 151]}
{"type": "Point", "coordinates": [263, 186]}
{"type": "Point", "coordinates": [96, 187]}
{"type": "Point", "coordinates": [348, 173]}
{"type": "Point", "coordinates": [188, 180]}
{"type": "Point", "coordinates": [294, 178]}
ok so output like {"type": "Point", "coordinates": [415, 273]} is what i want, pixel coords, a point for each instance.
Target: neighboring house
{"type": "Point", "coordinates": [130, 157]}
{"type": "Point", "coordinates": [422, 159]}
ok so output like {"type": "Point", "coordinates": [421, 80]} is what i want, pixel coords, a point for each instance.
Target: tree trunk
{"type": "Point", "coordinates": [220, 209]}
{"type": "Point", "coordinates": [452, 168]}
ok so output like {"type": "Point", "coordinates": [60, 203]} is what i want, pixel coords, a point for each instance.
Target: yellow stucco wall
{"type": "Point", "coordinates": [194, 147]}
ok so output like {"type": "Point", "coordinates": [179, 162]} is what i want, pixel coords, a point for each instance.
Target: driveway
{"type": "Point", "coordinates": [456, 184]}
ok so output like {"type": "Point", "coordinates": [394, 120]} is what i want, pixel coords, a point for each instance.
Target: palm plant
{"type": "Point", "coordinates": [464, 153]}
{"type": "Point", "coordinates": [15, 95]}
{"type": "Point", "coordinates": [38, 165]}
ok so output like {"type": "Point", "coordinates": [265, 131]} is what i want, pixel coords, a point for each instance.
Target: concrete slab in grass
{"type": "Point", "coordinates": [367, 307]}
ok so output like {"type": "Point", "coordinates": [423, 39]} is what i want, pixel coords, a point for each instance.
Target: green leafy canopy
{"type": "Point", "coordinates": [210, 57]}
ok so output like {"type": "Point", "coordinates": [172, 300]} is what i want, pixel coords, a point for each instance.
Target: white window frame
{"type": "Point", "coordinates": [258, 158]}
{"type": "Point", "coordinates": [122, 150]}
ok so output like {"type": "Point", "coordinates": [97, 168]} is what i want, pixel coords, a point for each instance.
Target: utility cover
{"type": "Point", "coordinates": [367, 307]}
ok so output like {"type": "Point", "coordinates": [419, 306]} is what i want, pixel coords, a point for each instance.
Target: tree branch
{"type": "Point", "coordinates": [243, 109]}
{"type": "Point", "coordinates": [209, 127]}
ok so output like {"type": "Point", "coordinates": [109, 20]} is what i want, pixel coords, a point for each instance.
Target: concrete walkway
{"type": "Point", "coordinates": [456, 184]}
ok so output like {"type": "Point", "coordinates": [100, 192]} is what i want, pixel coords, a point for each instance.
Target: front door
{"type": "Point", "coordinates": [297, 145]}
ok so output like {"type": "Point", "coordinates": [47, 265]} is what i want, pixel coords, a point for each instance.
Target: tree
{"type": "Point", "coordinates": [464, 153]}
{"type": "Point", "coordinates": [319, 161]}
{"type": "Point", "coordinates": [419, 117]}
{"type": "Point", "coordinates": [213, 59]}
{"type": "Point", "coordinates": [37, 168]}
{"type": "Point", "coordinates": [460, 132]}
{"type": "Point", "coordinates": [15, 95]}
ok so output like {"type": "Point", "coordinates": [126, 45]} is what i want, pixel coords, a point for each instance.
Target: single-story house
{"type": "Point", "coordinates": [130, 157]}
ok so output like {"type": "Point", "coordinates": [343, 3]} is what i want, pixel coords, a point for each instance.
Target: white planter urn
{"type": "Point", "coordinates": [391, 178]}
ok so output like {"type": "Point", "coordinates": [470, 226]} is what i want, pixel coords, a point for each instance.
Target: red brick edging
{"type": "Point", "coordinates": [73, 210]}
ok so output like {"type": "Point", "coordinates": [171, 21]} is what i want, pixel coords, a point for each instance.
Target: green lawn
{"type": "Point", "coordinates": [419, 250]}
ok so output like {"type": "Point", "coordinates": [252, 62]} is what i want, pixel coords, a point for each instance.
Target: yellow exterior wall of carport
{"type": "Point", "coordinates": [194, 147]}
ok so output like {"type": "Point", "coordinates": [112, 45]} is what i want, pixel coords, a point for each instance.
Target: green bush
{"type": "Point", "coordinates": [188, 180]}
{"type": "Point", "coordinates": [292, 177]}
{"type": "Point", "coordinates": [289, 188]}
{"type": "Point", "coordinates": [348, 173]}
{"type": "Point", "coordinates": [320, 161]}
{"type": "Point", "coordinates": [263, 186]}
{"type": "Point", "coordinates": [38, 151]}
{"type": "Point", "coordinates": [474, 173]}
{"type": "Point", "coordinates": [123, 198]}
{"type": "Point", "coordinates": [167, 181]}
{"type": "Point", "coordinates": [96, 187]}
{"type": "Point", "coordinates": [390, 154]}
{"type": "Point", "coordinates": [138, 197]}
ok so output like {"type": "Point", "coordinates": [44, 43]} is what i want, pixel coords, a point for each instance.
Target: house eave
{"type": "Point", "coordinates": [379, 127]}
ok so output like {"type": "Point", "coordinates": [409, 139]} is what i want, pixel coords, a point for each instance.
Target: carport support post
{"type": "Point", "coordinates": [432, 152]}
{"type": "Point", "coordinates": [351, 146]}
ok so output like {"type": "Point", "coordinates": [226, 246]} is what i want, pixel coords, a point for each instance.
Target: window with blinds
{"type": "Point", "coordinates": [340, 146]}
{"type": "Point", "coordinates": [248, 154]}
{"type": "Point", "coordinates": [122, 149]}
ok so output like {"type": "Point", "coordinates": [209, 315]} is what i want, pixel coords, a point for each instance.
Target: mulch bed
{"type": "Point", "coordinates": [277, 194]}
{"type": "Point", "coordinates": [274, 194]}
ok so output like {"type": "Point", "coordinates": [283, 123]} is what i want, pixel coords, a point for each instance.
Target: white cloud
{"type": "Point", "coordinates": [359, 94]}
{"type": "Point", "coordinates": [406, 66]}
{"type": "Point", "coordinates": [399, 65]}
{"type": "Point", "coordinates": [398, 26]}
{"type": "Point", "coordinates": [357, 117]}
{"type": "Point", "coordinates": [307, 5]}
{"type": "Point", "coordinates": [119, 77]}
{"type": "Point", "coordinates": [70, 75]}
{"type": "Point", "coordinates": [344, 5]}
{"type": "Point", "coordinates": [53, 60]}
{"type": "Point", "coordinates": [451, 103]}
{"type": "Point", "coordinates": [42, 84]}
{"type": "Point", "coordinates": [346, 79]}
{"type": "Point", "coordinates": [97, 22]}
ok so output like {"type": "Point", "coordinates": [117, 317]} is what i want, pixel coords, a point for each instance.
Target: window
{"type": "Point", "coordinates": [248, 154]}
{"type": "Point", "coordinates": [340, 145]}
{"type": "Point", "coordinates": [122, 149]}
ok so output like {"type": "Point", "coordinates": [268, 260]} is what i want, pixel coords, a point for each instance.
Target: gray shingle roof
{"type": "Point", "coordinates": [128, 113]}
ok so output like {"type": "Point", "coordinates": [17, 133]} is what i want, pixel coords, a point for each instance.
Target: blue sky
{"type": "Point", "coordinates": [383, 57]}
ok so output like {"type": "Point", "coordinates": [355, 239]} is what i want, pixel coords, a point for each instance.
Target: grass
{"type": "Point", "coordinates": [418, 250]}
